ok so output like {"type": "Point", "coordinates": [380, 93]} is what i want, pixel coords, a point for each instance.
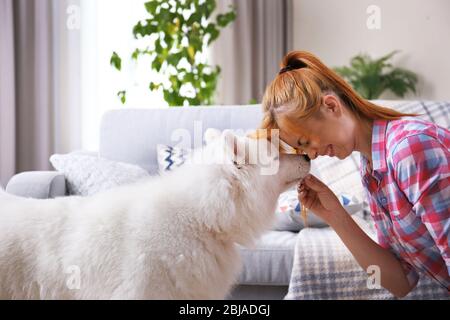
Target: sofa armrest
{"type": "Point", "coordinates": [37, 184]}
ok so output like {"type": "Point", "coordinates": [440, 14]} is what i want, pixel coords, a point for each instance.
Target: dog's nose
{"type": "Point", "coordinates": [307, 158]}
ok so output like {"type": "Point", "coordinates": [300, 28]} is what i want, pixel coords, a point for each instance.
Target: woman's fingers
{"type": "Point", "coordinates": [309, 200]}
{"type": "Point", "coordinates": [307, 191]}
{"type": "Point", "coordinates": [314, 183]}
{"type": "Point", "coordinates": [305, 196]}
{"type": "Point", "coordinates": [300, 188]}
{"type": "Point", "coordinates": [302, 196]}
{"type": "Point", "coordinates": [307, 203]}
{"type": "Point", "coordinates": [301, 191]}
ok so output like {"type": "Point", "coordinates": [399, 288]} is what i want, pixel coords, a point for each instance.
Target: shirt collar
{"type": "Point", "coordinates": [378, 150]}
{"type": "Point", "coordinates": [379, 146]}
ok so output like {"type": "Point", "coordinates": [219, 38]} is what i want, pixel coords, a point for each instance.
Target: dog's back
{"type": "Point", "coordinates": [31, 234]}
{"type": "Point", "coordinates": [133, 242]}
{"type": "Point", "coordinates": [65, 248]}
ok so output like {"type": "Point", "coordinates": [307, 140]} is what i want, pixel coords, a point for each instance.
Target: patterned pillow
{"type": "Point", "coordinates": [170, 158]}
{"type": "Point", "coordinates": [87, 174]}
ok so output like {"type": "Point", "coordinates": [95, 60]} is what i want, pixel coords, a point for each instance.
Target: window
{"type": "Point", "coordinates": [106, 27]}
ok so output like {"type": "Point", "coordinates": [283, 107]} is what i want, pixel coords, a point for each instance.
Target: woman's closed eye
{"type": "Point", "coordinates": [302, 143]}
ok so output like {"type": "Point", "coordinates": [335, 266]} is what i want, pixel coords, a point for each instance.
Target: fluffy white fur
{"type": "Point", "coordinates": [168, 237]}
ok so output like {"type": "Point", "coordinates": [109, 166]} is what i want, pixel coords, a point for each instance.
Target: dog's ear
{"type": "Point", "coordinates": [235, 147]}
{"type": "Point", "coordinates": [211, 134]}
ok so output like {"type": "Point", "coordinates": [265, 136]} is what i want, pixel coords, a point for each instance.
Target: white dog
{"type": "Point", "coordinates": [167, 237]}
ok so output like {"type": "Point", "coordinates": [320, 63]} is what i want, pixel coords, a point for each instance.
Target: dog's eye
{"type": "Point", "coordinates": [239, 166]}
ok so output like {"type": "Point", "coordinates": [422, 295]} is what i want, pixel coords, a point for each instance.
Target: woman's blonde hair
{"type": "Point", "coordinates": [298, 89]}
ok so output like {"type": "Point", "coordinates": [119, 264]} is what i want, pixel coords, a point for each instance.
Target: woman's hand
{"type": "Point", "coordinates": [317, 197]}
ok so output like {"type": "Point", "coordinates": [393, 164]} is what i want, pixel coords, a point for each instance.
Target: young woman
{"type": "Point", "coordinates": [405, 169]}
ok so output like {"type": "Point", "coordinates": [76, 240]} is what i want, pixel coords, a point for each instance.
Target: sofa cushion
{"type": "Point", "coordinates": [270, 261]}
{"type": "Point", "coordinates": [86, 174]}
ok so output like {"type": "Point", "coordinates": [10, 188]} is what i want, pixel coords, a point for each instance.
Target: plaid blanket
{"type": "Point", "coordinates": [325, 269]}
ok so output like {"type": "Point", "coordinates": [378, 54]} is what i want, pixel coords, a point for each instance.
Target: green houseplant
{"type": "Point", "coordinates": [178, 32]}
{"type": "Point", "coordinates": [371, 77]}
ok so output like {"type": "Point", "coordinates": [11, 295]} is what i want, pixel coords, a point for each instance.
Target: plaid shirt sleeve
{"type": "Point", "coordinates": [423, 172]}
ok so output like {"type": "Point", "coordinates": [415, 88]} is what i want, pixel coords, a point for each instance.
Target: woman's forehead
{"type": "Point", "coordinates": [289, 128]}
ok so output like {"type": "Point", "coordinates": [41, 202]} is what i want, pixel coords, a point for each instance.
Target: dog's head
{"type": "Point", "coordinates": [256, 158]}
{"type": "Point", "coordinates": [250, 175]}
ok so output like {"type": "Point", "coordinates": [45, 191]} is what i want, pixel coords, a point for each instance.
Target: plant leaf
{"type": "Point", "coordinates": [151, 6]}
{"type": "Point", "coordinates": [371, 77]}
{"type": "Point", "coordinates": [177, 33]}
{"type": "Point", "coordinates": [116, 61]}
{"type": "Point", "coordinates": [123, 96]}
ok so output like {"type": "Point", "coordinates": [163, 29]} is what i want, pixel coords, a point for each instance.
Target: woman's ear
{"type": "Point", "coordinates": [331, 105]}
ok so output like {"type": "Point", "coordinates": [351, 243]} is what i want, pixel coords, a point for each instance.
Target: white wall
{"type": "Point", "coordinates": [336, 30]}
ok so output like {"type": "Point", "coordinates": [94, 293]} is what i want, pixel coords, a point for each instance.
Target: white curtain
{"type": "Point", "coordinates": [56, 81]}
{"type": "Point", "coordinates": [251, 48]}
{"type": "Point", "coordinates": [7, 92]}
{"type": "Point", "coordinates": [26, 86]}
{"type": "Point", "coordinates": [67, 90]}
{"type": "Point", "coordinates": [39, 84]}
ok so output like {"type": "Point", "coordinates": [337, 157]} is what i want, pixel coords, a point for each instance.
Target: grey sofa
{"type": "Point", "coordinates": [131, 135]}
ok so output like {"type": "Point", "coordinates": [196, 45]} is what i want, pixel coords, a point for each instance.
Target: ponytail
{"type": "Point", "coordinates": [298, 89]}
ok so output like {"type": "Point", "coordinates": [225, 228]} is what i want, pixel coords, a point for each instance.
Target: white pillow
{"type": "Point", "coordinates": [87, 174]}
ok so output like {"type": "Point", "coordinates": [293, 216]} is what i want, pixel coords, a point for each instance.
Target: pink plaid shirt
{"type": "Point", "coordinates": [408, 190]}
